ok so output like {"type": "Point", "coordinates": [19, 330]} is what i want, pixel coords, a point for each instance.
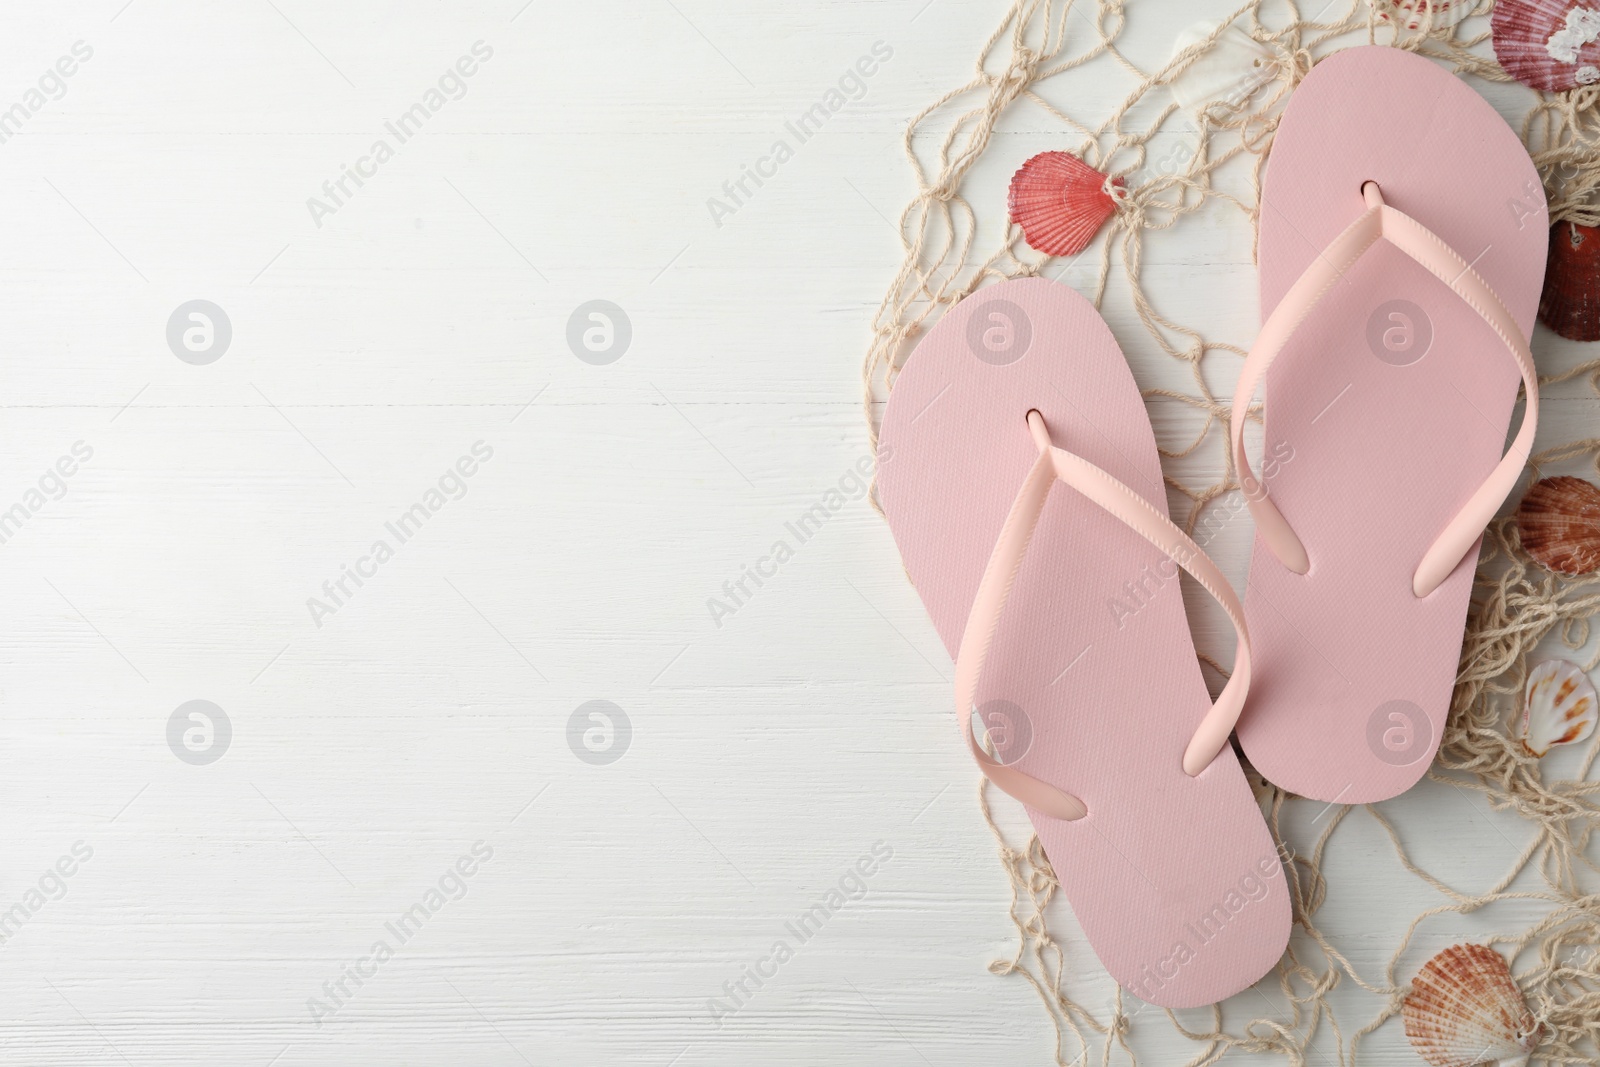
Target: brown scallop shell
{"type": "Point", "coordinates": [1559, 520]}
{"type": "Point", "coordinates": [1570, 304]}
{"type": "Point", "coordinates": [1464, 1008]}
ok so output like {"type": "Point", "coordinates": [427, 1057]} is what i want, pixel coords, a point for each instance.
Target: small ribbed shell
{"type": "Point", "coordinates": [1559, 521]}
{"type": "Point", "coordinates": [1060, 202]}
{"type": "Point", "coordinates": [1559, 708]}
{"type": "Point", "coordinates": [1464, 1008]}
{"type": "Point", "coordinates": [1552, 45]}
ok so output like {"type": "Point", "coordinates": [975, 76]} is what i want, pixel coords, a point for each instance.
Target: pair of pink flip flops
{"type": "Point", "coordinates": [1402, 251]}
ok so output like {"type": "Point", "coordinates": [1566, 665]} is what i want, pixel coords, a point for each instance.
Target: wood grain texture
{"type": "Point", "coordinates": [430, 711]}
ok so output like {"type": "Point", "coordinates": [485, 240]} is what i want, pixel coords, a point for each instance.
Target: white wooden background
{"type": "Point", "coordinates": [431, 711]}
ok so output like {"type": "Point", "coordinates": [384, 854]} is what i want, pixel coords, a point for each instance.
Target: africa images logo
{"type": "Point", "coordinates": [851, 86]}
{"type": "Point", "coordinates": [1252, 887]}
{"type": "Point", "coordinates": [850, 887]}
{"type": "Point", "coordinates": [451, 85]}
{"type": "Point", "coordinates": [451, 485]}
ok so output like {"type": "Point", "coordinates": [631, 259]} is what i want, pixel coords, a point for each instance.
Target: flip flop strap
{"type": "Point", "coordinates": [1434, 255]}
{"type": "Point", "coordinates": [1144, 519]}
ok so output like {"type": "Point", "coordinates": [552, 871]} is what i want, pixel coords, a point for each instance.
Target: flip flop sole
{"type": "Point", "coordinates": [1092, 680]}
{"type": "Point", "coordinates": [1384, 412]}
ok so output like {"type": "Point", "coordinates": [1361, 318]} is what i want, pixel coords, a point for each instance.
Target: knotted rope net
{"type": "Point", "coordinates": [1516, 603]}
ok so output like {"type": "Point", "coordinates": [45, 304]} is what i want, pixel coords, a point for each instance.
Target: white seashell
{"type": "Point", "coordinates": [1232, 71]}
{"type": "Point", "coordinates": [1464, 1009]}
{"type": "Point", "coordinates": [1560, 707]}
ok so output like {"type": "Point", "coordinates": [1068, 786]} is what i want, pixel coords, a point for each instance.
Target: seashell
{"type": "Point", "coordinates": [1060, 202]}
{"type": "Point", "coordinates": [1464, 1008]}
{"type": "Point", "coordinates": [1553, 45]}
{"type": "Point", "coordinates": [1232, 71]}
{"type": "Point", "coordinates": [1559, 520]}
{"type": "Point", "coordinates": [1413, 13]}
{"type": "Point", "coordinates": [1570, 304]}
{"type": "Point", "coordinates": [1560, 707]}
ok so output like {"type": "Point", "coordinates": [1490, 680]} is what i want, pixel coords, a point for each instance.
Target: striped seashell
{"type": "Point", "coordinates": [1438, 14]}
{"type": "Point", "coordinates": [1559, 521]}
{"type": "Point", "coordinates": [1060, 202]}
{"type": "Point", "coordinates": [1559, 707]}
{"type": "Point", "coordinates": [1570, 303]}
{"type": "Point", "coordinates": [1553, 45]}
{"type": "Point", "coordinates": [1465, 1009]}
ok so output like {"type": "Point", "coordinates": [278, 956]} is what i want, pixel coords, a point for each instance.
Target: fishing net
{"type": "Point", "coordinates": [1037, 48]}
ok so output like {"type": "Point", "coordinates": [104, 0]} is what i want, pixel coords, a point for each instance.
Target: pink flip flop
{"type": "Point", "coordinates": [1403, 243]}
{"type": "Point", "coordinates": [1062, 610]}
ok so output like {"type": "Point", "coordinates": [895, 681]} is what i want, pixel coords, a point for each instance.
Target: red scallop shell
{"type": "Point", "coordinates": [1522, 31]}
{"type": "Point", "coordinates": [1060, 202]}
{"type": "Point", "coordinates": [1570, 304]}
